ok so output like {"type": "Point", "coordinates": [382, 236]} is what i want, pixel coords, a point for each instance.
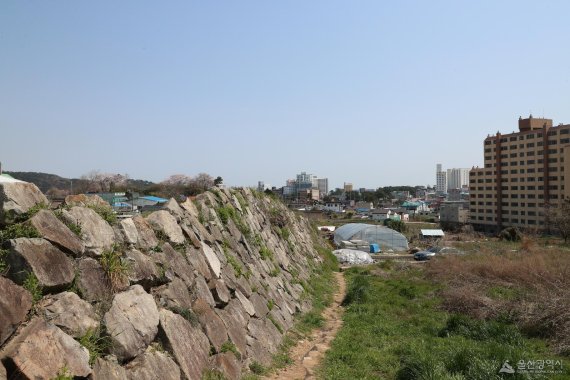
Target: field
{"type": "Point", "coordinates": [458, 317]}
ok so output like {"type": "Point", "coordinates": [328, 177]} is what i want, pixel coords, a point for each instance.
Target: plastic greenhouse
{"type": "Point", "coordinates": [386, 237]}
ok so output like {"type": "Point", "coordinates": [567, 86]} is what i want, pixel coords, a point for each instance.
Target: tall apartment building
{"type": "Point", "coordinates": [457, 178]}
{"type": "Point", "coordinates": [323, 186]}
{"type": "Point", "coordinates": [523, 171]}
{"type": "Point", "coordinates": [441, 180]}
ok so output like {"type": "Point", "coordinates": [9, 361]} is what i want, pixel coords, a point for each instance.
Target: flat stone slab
{"type": "Point", "coordinates": [53, 230]}
{"type": "Point", "coordinates": [53, 269]}
{"type": "Point", "coordinates": [212, 260]}
{"type": "Point", "coordinates": [70, 313]}
{"type": "Point", "coordinates": [188, 343]}
{"type": "Point", "coordinates": [42, 350]}
{"type": "Point", "coordinates": [152, 365]}
{"type": "Point", "coordinates": [132, 322]}
{"type": "Point", "coordinates": [15, 303]}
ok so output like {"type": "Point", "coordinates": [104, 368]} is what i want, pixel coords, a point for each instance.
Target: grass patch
{"type": "Point", "coordinates": [32, 285]}
{"type": "Point", "coordinates": [258, 369]}
{"type": "Point", "coordinates": [115, 267]}
{"type": "Point", "coordinates": [105, 212]}
{"type": "Point", "coordinates": [187, 314]}
{"type": "Point", "coordinates": [18, 230]}
{"type": "Point", "coordinates": [265, 253]}
{"type": "Point", "coordinates": [394, 328]}
{"type": "Point", "coordinates": [275, 323]}
{"type": "Point", "coordinates": [97, 344]}
{"type": "Point", "coordinates": [230, 347]}
{"type": "Point", "coordinates": [3, 263]}
{"type": "Point", "coordinates": [74, 227]}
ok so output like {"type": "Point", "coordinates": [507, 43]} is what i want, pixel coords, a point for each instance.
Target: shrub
{"type": "Point", "coordinates": [510, 234]}
{"type": "Point", "coordinates": [187, 314]}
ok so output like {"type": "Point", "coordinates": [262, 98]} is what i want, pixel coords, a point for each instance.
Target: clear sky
{"type": "Point", "coordinates": [369, 92]}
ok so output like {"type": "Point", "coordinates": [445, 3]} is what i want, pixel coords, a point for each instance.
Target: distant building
{"type": "Point", "coordinates": [457, 178]}
{"type": "Point", "coordinates": [441, 180]}
{"type": "Point", "coordinates": [347, 187]}
{"type": "Point", "coordinates": [323, 186]}
{"type": "Point", "coordinates": [454, 213]}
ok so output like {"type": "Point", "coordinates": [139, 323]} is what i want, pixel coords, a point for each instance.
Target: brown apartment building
{"type": "Point", "coordinates": [523, 172]}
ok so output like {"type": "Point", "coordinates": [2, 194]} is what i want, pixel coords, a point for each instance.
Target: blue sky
{"type": "Point", "coordinates": [357, 91]}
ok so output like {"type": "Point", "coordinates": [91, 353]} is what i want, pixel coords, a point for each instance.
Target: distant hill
{"type": "Point", "coordinates": [46, 181]}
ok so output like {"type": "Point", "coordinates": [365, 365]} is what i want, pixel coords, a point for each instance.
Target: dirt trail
{"type": "Point", "coordinates": [308, 353]}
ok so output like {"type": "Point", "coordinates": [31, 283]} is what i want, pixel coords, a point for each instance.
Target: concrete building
{"type": "Point", "coordinates": [454, 214]}
{"type": "Point", "coordinates": [440, 180]}
{"type": "Point", "coordinates": [523, 171]}
{"type": "Point", "coordinates": [347, 187]}
{"type": "Point", "coordinates": [457, 178]}
{"type": "Point", "coordinates": [323, 186]}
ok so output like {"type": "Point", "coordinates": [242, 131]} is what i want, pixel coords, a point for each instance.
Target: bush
{"type": "Point", "coordinates": [510, 234]}
{"type": "Point", "coordinates": [18, 230]}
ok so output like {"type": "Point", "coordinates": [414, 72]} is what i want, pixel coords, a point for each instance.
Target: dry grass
{"type": "Point", "coordinates": [526, 282]}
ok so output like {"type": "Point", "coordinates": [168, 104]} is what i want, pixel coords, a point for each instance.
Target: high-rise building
{"type": "Point", "coordinates": [440, 180]}
{"type": "Point", "coordinates": [323, 186]}
{"type": "Point", "coordinates": [457, 178]}
{"type": "Point", "coordinates": [523, 171]}
{"type": "Point", "coordinates": [347, 187]}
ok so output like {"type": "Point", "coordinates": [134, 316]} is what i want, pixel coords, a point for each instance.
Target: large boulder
{"type": "Point", "coordinates": [96, 233]}
{"type": "Point", "coordinates": [173, 295]}
{"type": "Point", "coordinates": [213, 327]}
{"type": "Point", "coordinates": [92, 280]}
{"type": "Point", "coordinates": [70, 313]}
{"type": "Point", "coordinates": [143, 270]}
{"type": "Point", "coordinates": [164, 223]}
{"type": "Point", "coordinates": [53, 269]}
{"type": "Point", "coordinates": [42, 351]}
{"type": "Point", "coordinates": [153, 365]}
{"type": "Point", "coordinates": [146, 237]}
{"type": "Point", "coordinates": [132, 322]}
{"type": "Point", "coordinates": [15, 303]}
{"type": "Point", "coordinates": [17, 198]}
{"type": "Point", "coordinates": [53, 230]}
{"type": "Point", "coordinates": [175, 261]}
{"type": "Point", "coordinates": [3, 375]}
{"type": "Point", "coordinates": [188, 343]}
{"type": "Point", "coordinates": [263, 339]}
{"type": "Point", "coordinates": [108, 369]}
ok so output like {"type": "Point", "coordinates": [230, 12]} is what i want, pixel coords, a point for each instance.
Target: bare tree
{"type": "Point", "coordinates": [202, 182]}
{"type": "Point", "coordinates": [558, 218]}
{"type": "Point", "coordinates": [104, 182]}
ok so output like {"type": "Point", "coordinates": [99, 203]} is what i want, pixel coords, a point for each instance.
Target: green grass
{"type": "Point", "coordinates": [115, 267]}
{"type": "Point", "coordinates": [18, 230]}
{"type": "Point", "coordinates": [394, 329]}
{"type": "Point", "coordinates": [105, 212]}
{"type": "Point", "coordinates": [265, 253]}
{"type": "Point", "coordinates": [96, 343]}
{"type": "Point", "coordinates": [230, 347]}
{"type": "Point", "coordinates": [32, 285]}
{"type": "Point", "coordinates": [3, 263]}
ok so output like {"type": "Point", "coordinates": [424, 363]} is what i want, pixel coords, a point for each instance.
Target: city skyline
{"type": "Point", "coordinates": [372, 94]}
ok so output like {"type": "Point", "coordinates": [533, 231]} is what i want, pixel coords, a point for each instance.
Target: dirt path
{"type": "Point", "coordinates": [308, 353]}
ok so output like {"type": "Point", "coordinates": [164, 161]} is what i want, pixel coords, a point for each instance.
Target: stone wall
{"type": "Point", "coordinates": [211, 283]}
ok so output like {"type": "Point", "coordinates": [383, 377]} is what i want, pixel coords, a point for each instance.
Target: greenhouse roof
{"type": "Point", "coordinates": [385, 237]}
